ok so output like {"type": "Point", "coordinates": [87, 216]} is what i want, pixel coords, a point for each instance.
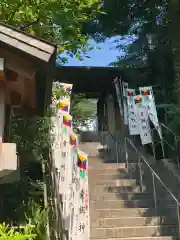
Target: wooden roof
{"type": "Point", "coordinates": [94, 80]}
{"type": "Point", "coordinates": [89, 80]}
{"type": "Point", "coordinates": [26, 43]}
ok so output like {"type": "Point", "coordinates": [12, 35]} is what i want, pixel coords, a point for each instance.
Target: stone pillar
{"type": "Point", "coordinates": [111, 114]}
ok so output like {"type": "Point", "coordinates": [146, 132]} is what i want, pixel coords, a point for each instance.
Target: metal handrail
{"type": "Point", "coordinates": [162, 141]}
{"type": "Point", "coordinates": [115, 141]}
{"type": "Point", "coordinates": [170, 130]}
{"type": "Point", "coordinates": [155, 174]}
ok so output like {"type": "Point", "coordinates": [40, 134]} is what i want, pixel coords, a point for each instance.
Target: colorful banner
{"type": "Point", "coordinates": [67, 120]}
{"type": "Point", "coordinates": [149, 102]}
{"type": "Point", "coordinates": [68, 89]}
{"type": "Point", "coordinates": [63, 105]}
{"type": "Point", "coordinates": [71, 181]}
{"type": "Point", "coordinates": [82, 224]}
{"type": "Point", "coordinates": [71, 164]}
{"type": "Point", "coordinates": [82, 160]}
{"type": "Point", "coordinates": [56, 140]}
{"type": "Point", "coordinates": [125, 107]}
{"type": "Point", "coordinates": [132, 117]}
{"type": "Point", "coordinates": [75, 184]}
{"type": "Point", "coordinates": [143, 120]}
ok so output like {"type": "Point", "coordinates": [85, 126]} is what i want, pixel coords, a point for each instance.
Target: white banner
{"type": "Point", "coordinates": [149, 102]}
{"type": "Point", "coordinates": [72, 169]}
{"type": "Point", "coordinates": [132, 118]}
{"type": "Point", "coordinates": [56, 131]}
{"type": "Point", "coordinates": [68, 89]}
{"type": "Point", "coordinates": [63, 105]}
{"type": "Point", "coordinates": [66, 173]}
{"type": "Point", "coordinates": [83, 215]}
{"type": "Point", "coordinates": [75, 190]}
{"type": "Point", "coordinates": [82, 224]}
{"type": "Point", "coordinates": [143, 120]}
{"type": "Point", "coordinates": [72, 189]}
{"type": "Point", "coordinates": [119, 94]}
{"type": "Point", "coordinates": [125, 107]}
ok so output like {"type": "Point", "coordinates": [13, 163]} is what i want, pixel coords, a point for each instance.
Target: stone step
{"type": "Point", "coordinates": [133, 221]}
{"type": "Point", "coordinates": [129, 204]}
{"type": "Point", "coordinates": [139, 238]}
{"type": "Point", "coordinates": [109, 182]}
{"type": "Point", "coordinates": [114, 174]}
{"type": "Point", "coordinates": [101, 189]}
{"type": "Point", "coordinates": [96, 177]}
{"type": "Point", "coordinates": [120, 196]}
{"type": "Point", "coordinates": [122, 171]}
{"type": "Point", "coordinates": [96, 161]}
{"type": "Point", "coordinates": [117, 182]}
{"type": "Point", "coordinates": [131, 212]}
{"type": "Point", "coordinates": [129, 232]}
{"type": "Point", "coordinates": [106, 170]}
{"type": "Point", "coordinates": [112, 166]}
{"type": "Point", "coordinates": [120, 189]}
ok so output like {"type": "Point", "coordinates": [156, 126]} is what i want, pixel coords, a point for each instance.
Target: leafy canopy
{"type": "Point", "coordinates": [83, 111]}
{"type": "Point", "coordinates": [58, 21]}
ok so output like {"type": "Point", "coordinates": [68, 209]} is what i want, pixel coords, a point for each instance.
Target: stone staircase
{"type": "Point", "coordinates": [121, 209]}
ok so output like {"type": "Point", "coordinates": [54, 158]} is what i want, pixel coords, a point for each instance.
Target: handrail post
{"type": "Point", "coordinates": [154, 192]}
{"type": "Point", "coordinates": [162, 142]}
{"type": "Point", "coordinates": [117, 155]}
{"type": "Point", "coordinates": [102, 135]}
{"type": "Point", "coordinates": [140, 173]}
{"type": "Point", "coordinates": [126, 154]}
{"type": "Point", "coordinates": [162, 146]}
{"type": "Point", "coordinates": [153, 145]}
{"type": "Point", "coordinates": [176, 146]}
{"type": "Point", "coordinates": [178, 217]}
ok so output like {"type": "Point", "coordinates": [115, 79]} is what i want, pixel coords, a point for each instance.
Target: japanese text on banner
{"type": "Point", "coordinates": [143, 120]}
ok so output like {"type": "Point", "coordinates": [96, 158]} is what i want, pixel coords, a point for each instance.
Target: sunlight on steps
{"type": "Point", "coordinates": [120, 208]}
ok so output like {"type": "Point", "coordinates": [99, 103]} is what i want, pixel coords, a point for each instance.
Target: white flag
{"type": "Point", "coordinates": [149, 103]}
{"type": "Point", "coordinates": [68, 89]}
{"type": "Point", "coordinates": [132, 117]}
{"type": "Point", "coordinates": [143, 120]}
{"type": "Point", "coordinates": [82, 227]}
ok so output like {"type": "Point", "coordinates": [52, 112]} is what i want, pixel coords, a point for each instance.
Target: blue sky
{"type": "Point", "coordinates": [98, 57]}
{"type": "Point", "coordinates": [103, 54]}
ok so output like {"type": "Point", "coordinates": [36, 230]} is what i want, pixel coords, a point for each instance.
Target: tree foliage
{"type": "Point", "coordinates": [9, 233]}
{"type": "Point", "coordinates": [83, 111]}
{"type": "Point", "coordinates": [58, 21]}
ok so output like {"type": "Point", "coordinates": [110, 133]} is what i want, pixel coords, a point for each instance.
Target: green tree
{"type": "Point", "coordinates": [58, 21]}
{"type": "Point", "coordinates": [83, 111]}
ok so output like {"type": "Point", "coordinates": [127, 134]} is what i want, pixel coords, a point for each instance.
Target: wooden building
{"type": "Point", "coordinates": [26, 66]}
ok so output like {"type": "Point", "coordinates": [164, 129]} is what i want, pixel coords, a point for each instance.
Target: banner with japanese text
{"type": "Point", "coordinates": [82, 204]}
{"type": "Point", "coordinates": [149, 102]}
{"type": "Point", "coordinates": [143, 120]}
{"type": "Point", "coordinates": [125, 107]}
{"type": "Point", "coordinates": [71, 165]}
{"type": "Point", "coordinates": [132, 117]}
